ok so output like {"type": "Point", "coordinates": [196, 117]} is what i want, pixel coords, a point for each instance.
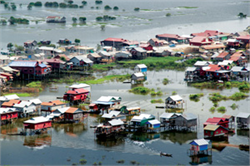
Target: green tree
{"type": "Point", "coordinates": [107, 7]}
{"type": "Point", "coordinates": [168, 14]}
{"type": "Point", "coordinates": [62, 5]}
{"type": "Point", "coordinates": [74, 19]}
{"type": "Point", "coordinates": [82, 19]}
{"type": "Point", "coordinates": [103, 27]}
{"type": "Point", "coordinates": [99, 18]}
{"type": "Point", "coordinates": [38, 4]}
{"type": "Point", "coordinates": [137, 9]}
{"type": "Point", "coordinates": [63, 59]}
{"type": "Point", "coordinates": [12, 20]}
{"type": "Point", "coordinates": [71, 2]}
{"type": "Point", "coordinates": [115, 8]}
{"type": "Point", "coordinates": [84, 2]}
{"type": "Point", "coordinates": [2, 2]}
{"type": "Point", "coordinates": [13, 6]}
{"type": "Point", "coordinates": [77, 41]}
{"type": "Point", "coordinates": [3, 22]}
{"type": "Point", "coordinates": [19, 48]}
{"type": "Point", "coordinates": [98, 2]}
{"type": "Point", "coordinates": [29, 7]}
{"type": "Point", "coordinates": [9, 46]}
{"type": "Point", "coordinates": [6, 5]}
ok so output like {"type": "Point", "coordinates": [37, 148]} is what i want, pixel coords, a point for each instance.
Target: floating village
{"type": "Point", "coordinates": [217, 57]}
{"type": "Point", "coordinates": [60, 88]}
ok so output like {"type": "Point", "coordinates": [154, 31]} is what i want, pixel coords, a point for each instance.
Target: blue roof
{"type": "Point", "coordinates": [22, 63]}
{"type": "Point", "coordinates": [42, 65]}
{"type": "Point", "coordinates": [103, 102]}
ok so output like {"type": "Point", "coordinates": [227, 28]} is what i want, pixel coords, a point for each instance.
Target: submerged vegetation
{"type": "Point", "coordinates": [140, 90]}
{"type": "Point", "coordinates": [216, 97]}
{"type": "Point", "coordinates": [196, 97]}
{"type": "Point", "coordinates": [165, 81]}
{"type": "Point", "coordinates": [35, 84]}
{"type": "Point", "coordinates": [19, 94]}
{"type": "Point", "coordinates": [157, 101]}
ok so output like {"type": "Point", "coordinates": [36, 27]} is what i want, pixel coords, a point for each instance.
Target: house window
{"type": "Point", "coordinates": [216, 132]}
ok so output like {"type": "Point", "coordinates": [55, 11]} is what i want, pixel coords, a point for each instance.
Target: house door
{"type": "Point", "coordinates": [212, 133]}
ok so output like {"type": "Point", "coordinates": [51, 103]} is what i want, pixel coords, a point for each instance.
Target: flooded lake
{"type": "Point", "coordinates": [66, 144]}
{"type": "Point", "coordinates": [187, 16]}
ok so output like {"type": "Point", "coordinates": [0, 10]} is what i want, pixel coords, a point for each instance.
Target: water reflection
{"type": "Point", "coordinates": [37, 141]}
{"type": "Point", "coordinates": [196, 160]}
{"type": "Point", "coordinates": [111, 142]}
{"type": "Point", "coordinates": [178, 136]}
{"type": "Point", "coordinates": [73, 130]}
{"type": "Point", "coordinates": [245, 133]}
{"type": "Point", "coordinates": [144, 136]}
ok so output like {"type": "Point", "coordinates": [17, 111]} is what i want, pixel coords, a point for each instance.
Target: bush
{"type": "Point", "coordinates": [140, 90]}
{"type": "Point", "coordinates": [136, 9]}
{"type": "Point", "coordinates": [238, 96]}
{"type": "Point", "coordinates": [165, 81]}
{"type": "Point", "coordinates": [83, 161]}
{"type": "Point", "coordinates": [38, 4]}
{"type": "Point", "coordinates": [215, 97]}
{"type": "Point", "coordinates": [212, 109]}
{"type": "Point", "coordinates": [228, 84]}
{"type": "Point", "coordinates": [98, 2]}
{"type": "Point", "coordinates": [234, 106]}
{"type": "Point", "coordinates": [99, 18]}
{"type": "Point", "coordinates": [62, 5]}
{"type": "Point", "coordinates": [174, 93]}
{"type": "Point", "coordinates": [115, 8]}
{"type": "Point", "coordinates": [244, 87]}
{"type": "Point", "coordinates": [84, 2]}
{"type": "Point", "coordinates": [82, 19]}
{"type": "Point", "coordinates": [168, 14]}
{"type": "Point", "coordinates": [157, 101]}
{"type": "Point", "coordinates": [120, 161]}
{"type": "Point", "coordinates": [107, 7]}
{"type": "Point", "coordinates": [195, 97]}
{"type": "Point", "coordinates": [221, 109]}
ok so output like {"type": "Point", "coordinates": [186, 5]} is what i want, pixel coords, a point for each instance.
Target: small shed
{"type": "Point", "coordinates": [168, 119]}
{"type": "Point", "coordinates": [25, 108]}
{"type": "Point", "coordinates": [138, 77]}
{"type": "Point", "coordinates": [153, 124]}
{"type": "Point", "coordinates": [175, 101]}
{"type": "Point", "coordinates": [140, 68]}
{"type": "Point", "coordinates": [243, 120]}
{"type": "Point", "coordinates": [200, 146]}
{"type": "Point", "coordinates": [212, 131]}
{"type": "Point", "coordinates": [73, 114]}
{"type": "Point", "coordinates": [141, 120]}
{"type": "Point", "coordinates": [37, 123]}
{"type": "Point", "coordinates": [186, 120]}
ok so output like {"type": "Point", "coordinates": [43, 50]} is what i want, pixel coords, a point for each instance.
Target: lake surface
{"type": "Point", "coordinates": [129, 24]}
{"type": "Point", "coordinates": [65, 144]}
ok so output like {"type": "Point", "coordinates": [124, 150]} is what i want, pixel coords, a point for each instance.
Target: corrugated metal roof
{"type": "Point", "coordinates": [139, 74]}
{"type": "Point", "coordinates": [211, 127]}
{"type": "Point", "coordinates": [116, 122]}
{"type": "Point", "coordinates": [243, 115]}
{"type": "Point", "coordinates": [200, 142]}
{"type": "Point", "coordinates": [38, 119]}
{"type": "Point", "coordinates": [191, 69]}
{"type": "Point", "coordinates": [154, 122]}
{"type": "Point", "coordinates": [6, 110]}
{"type": "Point", "coordinates": [10, 97]}
{"type": "Point", "coordinates": [36, 101]}
{"type": "Point", "coordinates": [236, 69]}
{"type": "Point", "coordinates": [141, 66]}
{"type": "Point", "coordinates": [167, 115]}
{"type": "Point", "coordinates": [202, 63]}
{"type": "Point", "coordinates": [111, 114]}
{"type": "Point", "coordinates": [23, 104]}
{"type": "Point", "coordinates": [61, 110]}
{"type": "Point", "coordinates": [176, 97]}
{"type": "Point", "coordinates": [189, 116]}
{"type": "Point", "coordinates": [22, 63]}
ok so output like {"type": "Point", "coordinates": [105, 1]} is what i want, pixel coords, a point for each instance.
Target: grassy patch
{"type": "Point", "coordinates": [20, 94]}
{"type": "Point", "coordinates": [101, 67]}
{"type": "Point", "coordinates": [212, 109]}
{"type": "Point", "coordinates": [221, 109]}
{"type": "Point", "coordinates": [238, 96]}
{"type": "Point", "coordinates": [165, 81]}
{"type": "Point", "coordinates": [234, 106]}
{"type": "Point", "coordinates": [187, 7]}
{"type": "Point", "coordinates": [195, 97]}
{"type": "Point", "coordinates": [157, 101]}
{"type": "Point", "coordinates": [35, 84]}
{"type": "Point", "coordinates": [216, 97]}
{"type": "Point", "coordinates": [140, 90]}
{"type": "Point", "coordinates": [119, 78]}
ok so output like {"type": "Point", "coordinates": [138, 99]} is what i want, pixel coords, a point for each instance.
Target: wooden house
{"type": "Point", "coordinates": [140, 68]}
{"type": "Point", "coordinates": [95, 57]}
{"type": "Point", "coordinates": [175, 101]}
{"type": "Point", "coordinates": [114, 115]}
{"type": "Point", "coordinates": [93, 108]}
{"type": "Point", "coordinates": [49, 51]}
{"type": "Point", "coordinates": [118, 43]}
{"type": "Point", "coordinates": [62, 57]}
{"type": "Point", "coordinates": [25, 108]}
{"type": "Point", "coordinates": [30, 44]}
{"type": "Point", "coordinates": [170, 37]}
{"type": "Point", "coordinates": [106, 102]}
{"type": "Point", "coordinates": [200, 147]}
{"type": "Point", "coordinates": [223, 56]}
{"type": "Point", "coordinates": [168, 119]}
{"type": "Point", "coordinates": [186, 120]}
{"type": "Point", "coordinates": [4, 60]}
{"type": "Point", "coordinates": [233, 43]}
{"type": "Point", "coordinates": [37, 103]}
{"type": "Point", "coordinates": [58, 114]}
{"type": "Point", "coordinates": [156, 42]}
{"type": "Point", "coordinates": [73, 114]}
{"type": "Point", "coordinates": [8, 98]}
{"type": "Point", "coordinates": [153, 125]}
{"type": "Point", "coordinates": [48, 107]}
{"type": "Point", "coordinates": [146, 46]}
{"type": "Point", "coordinates": [138, 53]}
{"type": "Point", "coordinates": [81, 61]}
{"type": "Point", "coordinates": [244, 39]}
{"type": "Point", "coordinates": [200, 41]}
{"type": "Point", "coordinates": [105, 55]}
{"type": "Point", "coordinates": [212, 131]}
{"type": "Point", "coordinates": [109, 129]}
{"type": "Point", "coordinates": [79, 86]}
{"type": "Point", "coordinates": [37, 123]}
{"type": "Point", "coordinates": [138, 77]}
{"type": "Point", "coordinates": [217, 121]}
{"type": "Point", "coordinates": [212, 48]}
{"type": "Point", "coordinates": [10, 103]}
{"type": "Point", "coordinates": [79, 49]}
{"type": "Point", "coordinates": [33, 68]}
{"type": "Point", "coordinates": [7, 114]}
{"type": "Point", "coordinates": [141, 120]}
{"type": "Point", "coordinates": [243, 120]}
{"type": "Point", "coordinates": [133, 110]}
{"type": "Point", "coordinates": [56, 64]}
{"type": "Point", "coordinates": [123, 55]}
{"type": "Point", "coordinates": [76, 95]}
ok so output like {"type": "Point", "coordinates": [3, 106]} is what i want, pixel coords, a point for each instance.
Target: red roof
{"type": "Point", "coordinates": [116, 39]}
{"type": "Point", "coordinates": [62, 55]}
{"type": "Point", "coordinates": [168, 35]}
{"type": "Point", "coordinates": [199, 39]}
{"type": "Point", "coordinates": [71, 110]}
{"type": "Point", "coordinates": [235, 58]}
{"type": "Point", "coordinates": [243, 37]}
{"type": "Point", "coordinates": [213, 67]}
{"type": "Point", "coordinates": [223, 119]}
{"type": "Point", "coordinates": [53, 61]}
{"type": "Point", "coordinates": [213, 121]}
{"type": "Point", "coordinates": [51, 103]}
{"type": "Point", "coordinates": [207, 33]}
{"type": "Point", "coordinates": [77, 91]}
{"type": "Point", "coordinates": [223, 54]}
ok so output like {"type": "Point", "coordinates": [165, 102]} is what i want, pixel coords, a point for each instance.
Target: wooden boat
{"type": "Point", "coordinates": [244, 147]}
